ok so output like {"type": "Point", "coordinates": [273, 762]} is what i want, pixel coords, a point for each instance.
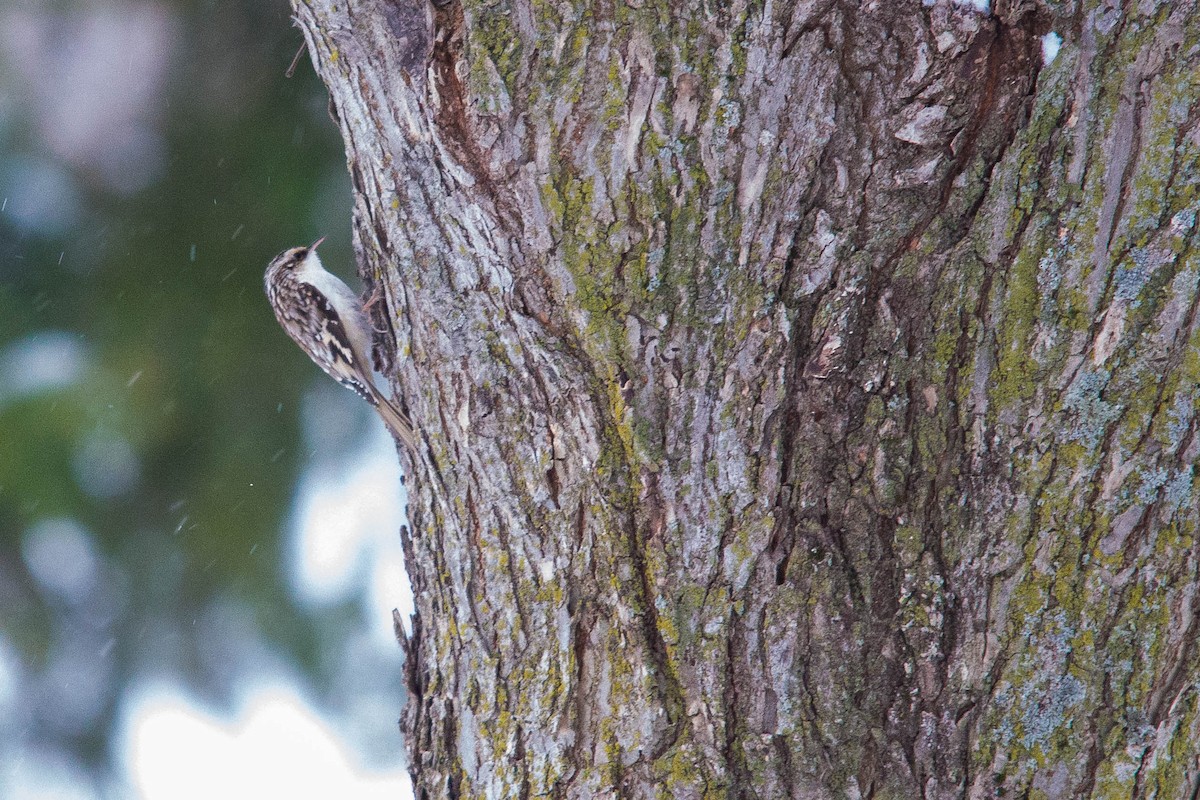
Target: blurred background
{"type": "Point", "coordinates": [198, 530]}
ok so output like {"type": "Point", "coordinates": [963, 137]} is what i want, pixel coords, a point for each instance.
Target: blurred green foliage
{"type": "Point", "coordinates": [162, 290]}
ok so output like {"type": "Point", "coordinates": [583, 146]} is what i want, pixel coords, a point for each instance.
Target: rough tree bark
{"type": "Point", "coordinates": [806, 390]}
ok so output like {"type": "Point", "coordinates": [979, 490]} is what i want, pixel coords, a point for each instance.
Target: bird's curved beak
{"type": "Point", "coordinates": [315, 244]}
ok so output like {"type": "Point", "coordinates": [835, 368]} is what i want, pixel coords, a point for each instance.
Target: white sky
{"type": "Point", "coordinates": [345, 535]}
{"type": "Point", "coordinates": [274, 745]}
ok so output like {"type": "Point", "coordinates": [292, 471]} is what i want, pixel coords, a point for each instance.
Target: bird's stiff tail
{"type": "Point", "coordinates": [397, 421]}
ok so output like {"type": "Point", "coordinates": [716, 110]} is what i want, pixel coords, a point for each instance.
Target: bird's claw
{"type": "Point", "coordinates": [374, 298]}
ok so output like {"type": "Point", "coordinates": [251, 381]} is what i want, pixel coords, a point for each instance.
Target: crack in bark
{"type": "Point", "coordinates": [733, 754]}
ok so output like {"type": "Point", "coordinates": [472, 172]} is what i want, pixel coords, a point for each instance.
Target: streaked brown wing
{"type": "Point", "coordinates": [315, 325]}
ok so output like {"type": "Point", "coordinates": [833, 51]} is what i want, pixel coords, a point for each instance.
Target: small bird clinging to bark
{"type": "Point", "coordinates": [325, 318]}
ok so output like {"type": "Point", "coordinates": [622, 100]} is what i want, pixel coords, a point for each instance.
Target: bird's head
{"type": "Point", "coordinates": [294, 258]}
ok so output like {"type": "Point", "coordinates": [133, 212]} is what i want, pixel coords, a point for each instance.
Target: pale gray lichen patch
{"type": "Point", "coordinates": [1092, 412]}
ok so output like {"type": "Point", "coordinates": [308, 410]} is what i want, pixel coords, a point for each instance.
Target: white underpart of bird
{"type": "Point", "coordinates": [344, 301]}
{"type": "Point", "coordinates": [358, 331]}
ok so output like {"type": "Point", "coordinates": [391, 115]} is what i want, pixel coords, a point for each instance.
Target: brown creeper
{"type": "Point", "coordinates": [324, 317]}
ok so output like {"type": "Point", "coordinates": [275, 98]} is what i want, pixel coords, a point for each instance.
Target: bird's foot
{"type": "Point", "coordinates": [371, 302]}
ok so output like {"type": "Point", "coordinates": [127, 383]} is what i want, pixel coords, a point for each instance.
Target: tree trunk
{"type": "Point", "coordinates": [805, 390]}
